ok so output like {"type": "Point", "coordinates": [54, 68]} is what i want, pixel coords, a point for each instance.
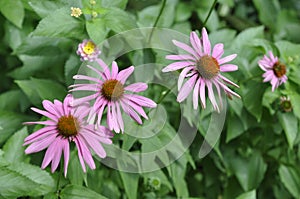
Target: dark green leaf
{"type": "Point", "coordinates": [291, 179]}
{"type": "Point", "coordinates": [248, 195]}
{"type": "Point", "coordinates": [295, 99]}
{"type": "Point", "coordinates": [13, 148]}
{"type": "Point", "coordinates": [119, 20]}
{"type": "Point", "coordinates": [178, 173]}
{"type": "Point", "coordinates": [130, 182]}
{"type": "Point", "coordinates": [267, 18]}
{"type": "Point", "coordinates": [235, 128]}
{"type": "Point", "coordinates": [289, 124]}
{"type": "Point", "coordinates": [79, 192]}
{"type": "Point", "coordinates": [10, 100]}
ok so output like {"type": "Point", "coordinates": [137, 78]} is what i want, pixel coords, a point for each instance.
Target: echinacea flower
{"type": "Point", "coordinates": [66, 124]}
{"type": "Point", "coordinates": [88, 51]}
{"type": "Point", "coordinates": [202, 66]}
{"type": "Point", "coordinates": [76, 12]}
{"type": "Point", "coordinates": [110, 92]}
{"type": "Point", "coordinates": [275, 71]}
{"type": "Point", "coordinates": [285, 104]}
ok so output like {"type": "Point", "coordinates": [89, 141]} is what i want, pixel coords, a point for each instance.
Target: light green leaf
{"type": "Point", "coordinates": [295, 99]}
{"type": "Point", "coordinates": [183, 12]}
{"type": "Point", "coordinates": [97, 30]}
{"type": "Point", "coordinates": [272, 7]}
{"type": "Point", "coordinates": [290, 177]}
{"type": "Point", "coordinates": [235, 127]}
{"type": "Point", "coordinates": [13, 148]}
{"type": "Point", "coordinates": [248, 195]}
{"type": "Point", "coordinates": [40, 89]}
{"type": "Point", "coordinates": [10, 123]}
{"type": "Point", "coordinates": [71, 68]}
{"type": "Point", "coordinates": [178, 173]}
{"type": "Point", "coordinates": [79, 192]}
{"type": "Point", "coordinates": [130, 182]}
{"type": "Point", "coordinates": [13, 11]}
{"type": "Point", "coordinates": [116, 3]}
{"type": "Point", "coordinates": [246, 37]}
{"type": "Point", "coordinates": [289, 124]}
{"type": "Point", "coordinates": [60, 24]}
{"type": "Point", "coordinates": [21, 179]}
{"type": "Point", "coordinates": [119, 20]}
{"type": "Point", "coordinates": [10, 100]}
{"type": "Point", "coordinates": [287, 49]}
{"type": "Point", "coordinates": [75, 173]}
{"type": "Point", "coordinates": [44, 8]}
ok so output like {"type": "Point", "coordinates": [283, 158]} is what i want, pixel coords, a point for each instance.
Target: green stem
{"type": "Point", "coordinates": [157, 18]}
{"type": "Point", "coordinates": [164, 94]}
{"type": "Point", "coordinates": [210, 11]}
{"type": "Point", "coordinates": [58, 179]}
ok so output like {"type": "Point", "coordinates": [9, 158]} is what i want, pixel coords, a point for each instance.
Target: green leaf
{"type": "Point", "coordinates": [183, 12]}
{"type": "Point", "coordinates": [97, 30]}
{"type": "Point", "coordinates": [290, 177]}
{"type": "Point", "coordinates": [116, 3]}
{"type": "Point", "coordinates": [248, 195]}
{"type": "Point", "coordinates": [10, 123]}
{"type": "Point", "coordinates": [71, 68]}
{"type": "Point", "coordinates": [249, 171]}
{"type": "Point", "coordinates": [130, 182]}
{"type": "Point", "coordinates": [40, 89]}
{"type": "Point", "coordinates": [246, 37]}
{"type": "Point", "coordinates": [289, 124]}
{"type": "Point", "coordinates": [272, 7]}
{"type": "Point", "coordinates": [295, 99]}
{"type": "Point", "coordinates": [21, 179]}
{"type": "Point", "coordinates": [13, 148]}
{"type": "Point", "coordinates": [60, 24]}
{"type": "Point", "coordinates": [44, 8]}
{"type": "Point", "coordinates": [75, 173]}
{"type": "Point", "coordinates": [79, 192]}
{"type": "Point", "coordinates": [178, 174]}
{"type": "Point", "coordinates": [119, 20]}
{"type": "Point", "coordinates": [13, 11]}
{"type": "Point", "coordinates": [287, 49]}
{"type": "Point", "coordinates": [10, 100]}
{"type": "Point", "coordinates": [235, 127]}
{"type": "Point", "coordinates": [252, 97]}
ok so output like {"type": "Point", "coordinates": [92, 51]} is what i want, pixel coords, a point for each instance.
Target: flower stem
{"type": "Point", "coordinates": [58, 178]}
{"type": "Point", "coordinates": [164, 94]}
{"type": "Point", "coordinates": [157, 18]}
{"type": "Point", "coordinates": [209, 13]}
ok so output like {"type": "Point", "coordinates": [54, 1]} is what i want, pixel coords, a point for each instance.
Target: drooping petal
{"type": "Point", "coordinates": [94, 145]}
{"type": "Point", "coordinates": [119, 116]}
{"type": "Point", "coordinates": [45, 131]}
{"type": "Point", "coordinates": [177, 65]}
{"type": "Point", "coordinates": [140, 100]}
{"type": "Point", "coordinates": [182, 75]}
{"type": "Point", "coordinates": [212, 96]}
{"type": "Point", "coordinates": [186, 89]}
{"type": "Point", "coordinates": [66, 150]}
{"type": "Point", "coordinates": [114, 118]}
{"type": "Point", "coordinates": [202, 93]}
{"type": "Point", "coordinates": [57, 154]}
{"type": "Point", "coordinates": [82, 100]}
{"type": "Point", "coordinates": [51, 151]}
{"type": "Point", "coordinates": [86, 154]}
{"type": "Point", "coordinates": [136, 87]}
{"type": "Point", "coordinates": [196, 94]}
{"type": "Point", "coordinates": [40, 144]}
{"type": "Point", "coordinates": [80, 153]}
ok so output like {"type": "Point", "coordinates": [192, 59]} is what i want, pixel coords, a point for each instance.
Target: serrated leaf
{"type": "Point", "coordinates": [291, 179]}
{"type": "Point", "coordinates": [60, 24]}
{"type": "Point", "coordinates": [79, 192]}
{"type": "Point", "coordinates": [21, 179]}
{"type": "Point", "coordinates": [289, 124]}
{"type": "Point", "coordinates": [13, 148]}
{"type": "Point", "coordinates": [13, 11]}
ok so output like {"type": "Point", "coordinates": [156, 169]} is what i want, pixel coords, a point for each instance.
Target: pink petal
{"type": "Point", "coordinates": [226, 59]}
{"type": "Point", "coordinates": [136, 87]}
{"type": "Point", "coordinates": [101, 74]}
{"type": "Point", "coordinates": [130, 112]}
{"type": "Point", "coordinates": [67, 104]}
{"type": "Point", "coordinates": [119, 116]}
{"type": "Point", "coordinates": [114, 71]}
{"type": "Point", "coordinates": [228, 68]}
{"type": "Point", "coordinates": [45, 131]}
{"type": "Point", "coordinates": [185, 47]}
{"type": "Point", "coordinates": [195, 41]}
{"type": "Point", "coordinates": [45, 113]}
{"type": "Point", "coordinates": [52, 149]}
{"type": "Point", "coordinates": [137, 108]}
{"type": "Point", "coordinates": [40, 144]}
{"type": "Point", "coordinates": [140, 100]}
{"type": "Point", "coordinates": [81, 111]}
{"type": "Point", "coordinates": [49, 106]}
{"type": "Point", "coordinates": [105, 68]}
{"type": "Point", "coordinates": [86, 154]}
{"type": "Point", "coordinates": [57, 154]}
{"type": "Point", "coordinates": [80, 153]}
{"type": "Point", "coordinates": [212, 96]}
{"type": "Point", "coordinates": [82, 100]}
{"type": "Point", "coordinates": [115, 118]}
{"type": "Point", "coordinates": [227, 90]}
{"type": "Point", "coordinates": [87, 87]}
{"type": "Point", "coordinates": [109, 120]}
{"type": "Point", "coordinates": [84, 77]}
{"type": "Point", "coordinates": [202, 93]}
{"type": "Point", "coordinates": [124, 74]}
{"type": "Point", "coordinates": [186, 89]}
{"type": "Point", "coordinates": [177, 66]}
{"type": "Point", "coordinates": [228, 81]}
{"type": "Point", "coordinates": [206, 42]}
{"type": "Point", "coordinates": [48, 122]}
{"type": "Point", "coordinates": [196, 94]}
{"type": "Point", "coordinates": [180, 57]}
{"type": "Point", "coordinates": [218, 51]}
{"type": "Point", "coordinates": [66, 149]}
{"type": "Point", "coordinates": [94, 145]}
{"type": "Point", "coordinates": [183, 75]}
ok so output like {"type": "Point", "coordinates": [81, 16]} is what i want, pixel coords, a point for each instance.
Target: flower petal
{"type": "Point", "coordinates": [124, 74]}
{"type": "Point", "coordinates": [228, 68]}
{"type": "Point", "coordinates": [227, 59]}
{"type": "Point", "coordinates": [180, 57]}
{"type": "Point", "coordinates": [114, 70]}
{"type": "Point", "coordinates": [185, 47]}
{"type": "Point", "coordinates": [218, 51]}
{"type": "Point", "coordinates": [186, 89]}
{"type": "Point", "coordinates": [177, 66]}
{"type": "Point", "coordinates": [195, 41]}
{"type": "Point", "coordinates": [196, 94]}
{"type": "Point", "coordinates": [206, 42]}
{"type": "Point", "coordinates": [136, 87]}
{"type": "Point", "coordinates": [183, 75]}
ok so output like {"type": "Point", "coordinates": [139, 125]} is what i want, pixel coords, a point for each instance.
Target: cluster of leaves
{"type": "Point", "coordinates": [258, 154]}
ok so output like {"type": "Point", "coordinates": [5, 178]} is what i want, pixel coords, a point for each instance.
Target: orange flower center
{"type": "Point", "coordinates": [279, 69]}
{"type": "Point", "coordinates": [89, 48]}
{"type": "Point", "coordinates": [112, 89]}
{"type": "Point", "coordinates": [208, 67]}
{"type": "Point", "coordinates": [68, 126]}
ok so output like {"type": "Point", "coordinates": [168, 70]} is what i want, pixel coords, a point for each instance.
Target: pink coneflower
{"type": "Point", "coordinates": [111, 92]}
{"type": "Point", "coordinates": [275, 71]}
{"type": "Point", "coordinates": [88, 51]}
{"type": "Point", "coordinates": [66, 124]}
{"type": "Point", "coordinates": [203, 70]}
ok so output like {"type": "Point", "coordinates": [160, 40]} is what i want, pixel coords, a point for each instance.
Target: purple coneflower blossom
{"type": "Point", "coordinates": [66, 124]}
{"type": "Point", "coordinates": [275, 71]}
{"type": "Point", "coordinates": [202, 66]}
{"type": "Point", "coordinates": [111, 93]}
{"type": "Point", "coordinates": [88, 51]}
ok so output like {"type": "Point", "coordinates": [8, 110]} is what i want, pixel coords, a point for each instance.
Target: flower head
{"type": "Point", "coordinates": [88, 51]}
{"type": "Point", "coordinates": [285, 104]}
{"type": "Point", "coordinates": [275, 71]}
{"type": "Point", "coordinates": [203, 67]}
{"type": "Point", "coordinates": [110, 93]}
{"type": "Point", "coordinates": [66, 124]}
{"type": "Point", "coordinates": [76, 12]}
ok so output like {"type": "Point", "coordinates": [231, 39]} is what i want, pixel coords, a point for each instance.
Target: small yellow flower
{"type": "Point", "coordinates": [89, 48]}
{"type": "Point", "coordinates": [94, 14]}
{"type": "Point", "coordinates": [76, 12]}
{"type": "Point", "coordinates": [92, 2]}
